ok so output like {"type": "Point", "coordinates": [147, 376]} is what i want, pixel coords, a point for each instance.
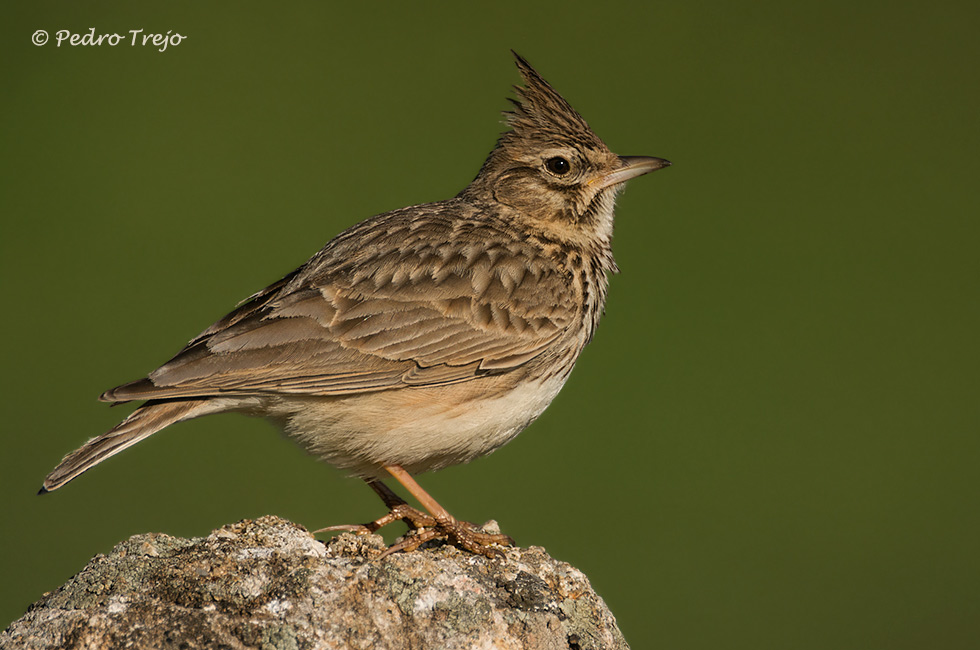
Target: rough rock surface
{"type": "Point", "coordinates": [269, 584]}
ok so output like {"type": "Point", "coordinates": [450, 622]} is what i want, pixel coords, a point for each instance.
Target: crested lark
{"type": "Point", "coordinates": [420, 338]}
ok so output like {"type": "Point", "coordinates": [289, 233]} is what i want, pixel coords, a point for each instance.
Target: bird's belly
{"type": "Point", "coordinates": [420, 429]}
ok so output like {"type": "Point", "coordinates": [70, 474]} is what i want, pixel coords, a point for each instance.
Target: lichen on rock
{"type": "Point", "coordinates": [270, 584]}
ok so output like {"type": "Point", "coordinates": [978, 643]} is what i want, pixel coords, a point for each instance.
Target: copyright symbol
{"type": "Point", "coordinates": [40, 37]}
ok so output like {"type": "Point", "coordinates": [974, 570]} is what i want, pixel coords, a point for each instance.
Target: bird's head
{"type": "Point", "coordinates": [552, 168]}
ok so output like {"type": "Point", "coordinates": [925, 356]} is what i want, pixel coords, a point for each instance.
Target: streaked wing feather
{"type": "Point", "coordinates": [440, 375]}
{"type": "Point", "coordinates": [350, 321]}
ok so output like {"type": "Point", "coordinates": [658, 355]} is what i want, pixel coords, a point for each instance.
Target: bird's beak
{"type": "Point", "coordinates": [633, 166]}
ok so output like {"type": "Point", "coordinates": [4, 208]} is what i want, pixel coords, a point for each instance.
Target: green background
{"type": "Point", "coordinates": [772, 441]}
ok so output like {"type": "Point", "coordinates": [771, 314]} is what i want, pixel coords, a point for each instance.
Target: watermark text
{"type": "Point", "coordinates": [132, 38]}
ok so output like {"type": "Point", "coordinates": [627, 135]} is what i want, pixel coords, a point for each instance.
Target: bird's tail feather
{"type": "Point", "coordinates": [143, 422]}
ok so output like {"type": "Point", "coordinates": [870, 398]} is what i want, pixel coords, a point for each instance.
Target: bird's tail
{"type": "Point", "coordinates": [143, 422]}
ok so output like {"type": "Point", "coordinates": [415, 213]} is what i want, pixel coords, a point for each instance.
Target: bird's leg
{"type": "Point", "coordinates": [398, 510]}
{"type": "Point", "coordinates": [443, 524]}
{"type": "Point", "coordinates": [436, 523]}
{"type": "Point", "coordinates": [387, 495]}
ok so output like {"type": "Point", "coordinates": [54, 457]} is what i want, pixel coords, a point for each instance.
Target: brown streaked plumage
{"type": "Point", "coordinates": [419, 338]}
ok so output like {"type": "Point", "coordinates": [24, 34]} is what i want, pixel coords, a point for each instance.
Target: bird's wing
{"type": "Point", "coordinates": [376, 318]}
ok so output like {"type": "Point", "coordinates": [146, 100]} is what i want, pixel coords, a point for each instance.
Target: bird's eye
{"type": "Point", "coordinates": [557, 166]}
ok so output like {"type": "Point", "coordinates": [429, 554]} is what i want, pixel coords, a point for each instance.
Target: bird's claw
{"type": "Point", "coordinates": [425, 527]}
{"type": "Point", "coordinates": [458, 533]}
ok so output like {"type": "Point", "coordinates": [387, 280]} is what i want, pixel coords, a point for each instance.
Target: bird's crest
{"type": "Point", "coordinates": [540, 113]}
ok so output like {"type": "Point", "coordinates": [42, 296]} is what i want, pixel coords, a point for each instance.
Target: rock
{"type": "Point", "coordinates": [269, 584]}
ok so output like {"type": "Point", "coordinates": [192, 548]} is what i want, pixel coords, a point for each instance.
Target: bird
{"type": "Point", "coordinates": [420, 338]}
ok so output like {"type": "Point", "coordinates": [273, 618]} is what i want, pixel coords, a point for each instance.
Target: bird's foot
{"type": "Point", "coordinates": [458, 533]}
{"type": "Point", "coordinates": [415, 518]}
{"type": "Point", "coordinates": [425, 527]}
